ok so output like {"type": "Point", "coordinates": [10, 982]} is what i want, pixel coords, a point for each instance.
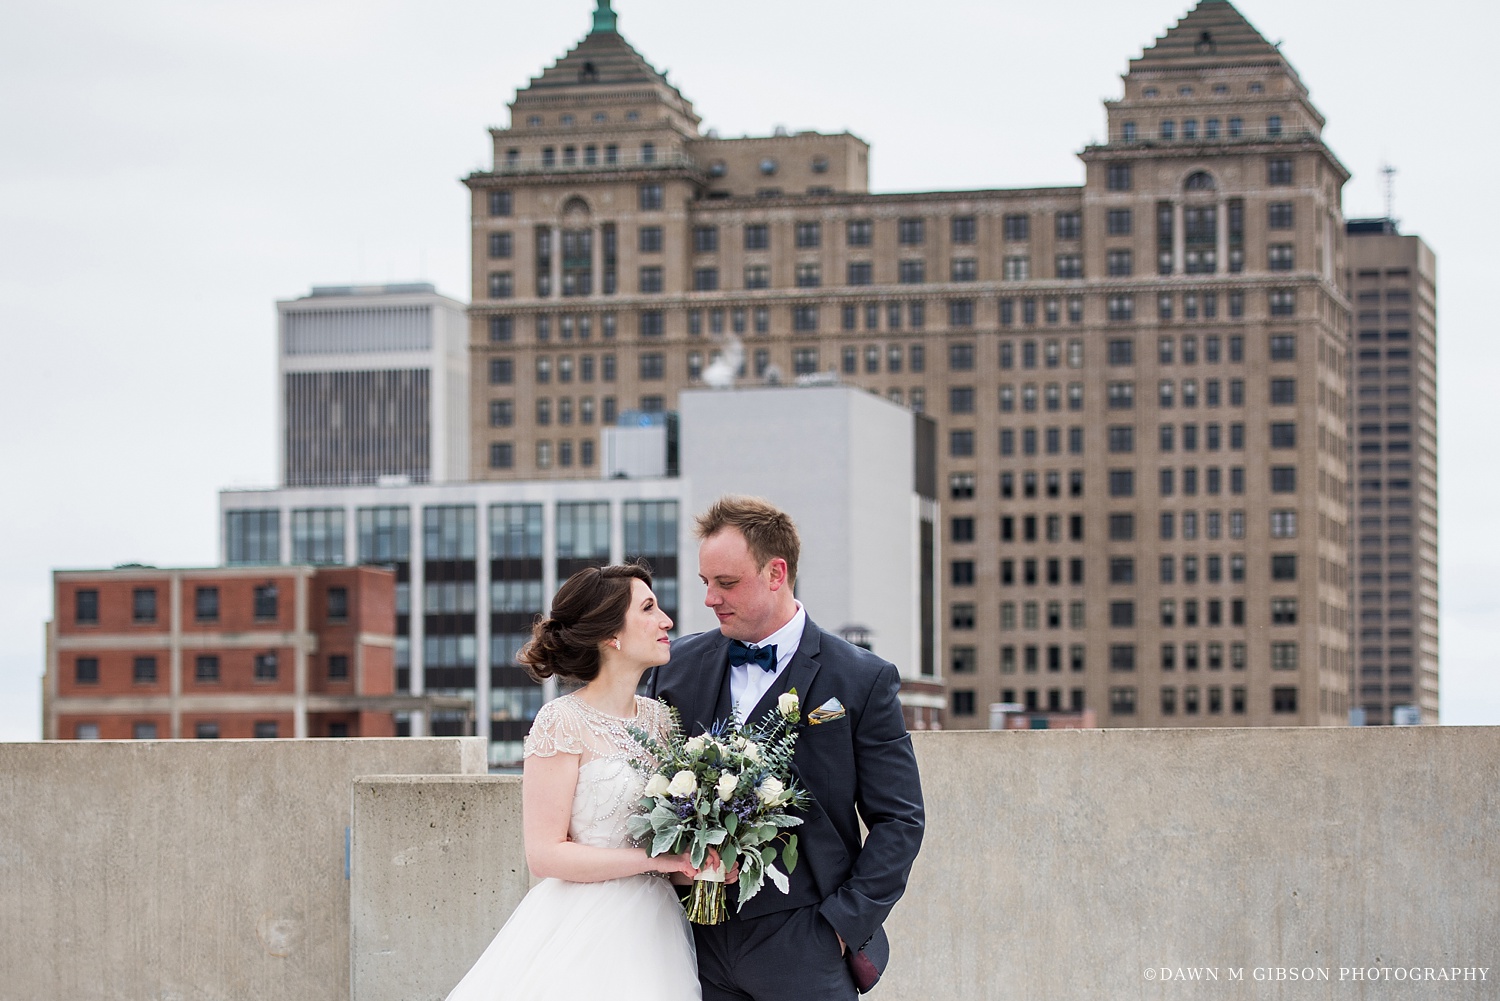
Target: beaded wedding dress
{"type": "Point", "coordinates": [623, 939]}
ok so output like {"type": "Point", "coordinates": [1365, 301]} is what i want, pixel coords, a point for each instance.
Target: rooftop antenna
{"type": "Point", "coordinates": [1389, 173]}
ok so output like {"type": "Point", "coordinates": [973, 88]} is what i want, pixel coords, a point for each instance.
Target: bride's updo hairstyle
{"type": "Point", "coordinates": [588, 611]}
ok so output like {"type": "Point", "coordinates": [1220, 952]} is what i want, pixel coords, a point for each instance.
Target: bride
{"type": "Point", "coordinates": [602, 922]}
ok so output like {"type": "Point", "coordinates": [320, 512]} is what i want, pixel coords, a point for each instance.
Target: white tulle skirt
{"type": "Point", "coordinates": [622, 940]}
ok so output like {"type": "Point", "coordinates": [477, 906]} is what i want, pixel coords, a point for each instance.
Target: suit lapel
{"type": "Point", "coordinates": [799, 673]}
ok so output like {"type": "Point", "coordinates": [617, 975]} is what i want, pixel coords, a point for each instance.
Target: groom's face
{"type": "Point", "coordinates": [745, 598]}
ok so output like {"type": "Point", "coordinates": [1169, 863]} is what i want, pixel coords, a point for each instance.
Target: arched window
{"type": "Point", "coordinates": [1199, 181]}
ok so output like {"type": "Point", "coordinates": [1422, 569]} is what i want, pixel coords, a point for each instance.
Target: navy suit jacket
{"type": "Point", "coordinates": [857, 768]}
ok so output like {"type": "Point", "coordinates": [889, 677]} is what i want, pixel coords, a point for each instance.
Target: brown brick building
{"type": "Point", "coordinates": [1142, 384]}
{"type": "Point", "coordinates": [138, 652]}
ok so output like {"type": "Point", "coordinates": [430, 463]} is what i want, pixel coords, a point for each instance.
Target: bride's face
{"type": "Point", "coordinates": [643, 637]}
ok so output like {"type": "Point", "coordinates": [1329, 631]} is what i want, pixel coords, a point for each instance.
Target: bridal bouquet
{"type": "Point", "coordinates": [729, 790]}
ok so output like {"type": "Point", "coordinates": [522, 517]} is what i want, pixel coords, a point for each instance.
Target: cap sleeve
{"type": "Point", "coordinates": [557, 729]}
{"type": "Point", "coordinates": [659, 720]}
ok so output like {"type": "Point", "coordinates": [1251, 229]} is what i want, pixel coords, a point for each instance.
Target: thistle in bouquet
{"type": "Point", "coordinates": [731, 790]}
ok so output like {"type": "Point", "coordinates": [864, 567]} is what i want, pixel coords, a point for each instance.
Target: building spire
{"type": "Point", "coordinates": [604, 17]}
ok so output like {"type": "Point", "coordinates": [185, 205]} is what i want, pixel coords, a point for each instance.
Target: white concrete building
{"type": "Point", "coordinates": [372, 381]}
{"type": "Point", "coordinates": [477, 562]}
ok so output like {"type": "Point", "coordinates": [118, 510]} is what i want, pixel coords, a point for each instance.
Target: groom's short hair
{"type": "Point", "coordinates": [769, 531]}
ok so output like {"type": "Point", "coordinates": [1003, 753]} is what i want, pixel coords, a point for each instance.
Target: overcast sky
{"type": "Point", "coordinates": [170, 168]}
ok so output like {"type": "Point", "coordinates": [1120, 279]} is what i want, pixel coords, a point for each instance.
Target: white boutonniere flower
{"type": "Point", "coordinates": [788, 704]}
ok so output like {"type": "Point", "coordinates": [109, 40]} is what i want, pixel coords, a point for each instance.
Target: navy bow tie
{"type": "Point", "coordinates": [763, 657]}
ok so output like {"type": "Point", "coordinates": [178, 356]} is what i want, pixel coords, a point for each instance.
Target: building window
{"type": "Point", "coordinates": [1018, 269]}
{"type": "Point", "coordinates": [962, 616]}
{"type": "Point", "coordinates": [861, 273]}
{"type": "Point", "coordinates": [206, 731]}
{"type": "Point", "coordinates": [501, 203]}
{"type": "Point", "coordinates": [143, 731]}
{"type": "Point", "coordinates": [653, 365]}
{"type": "Point", "coordinates": [809, 235]}
{"type": "Point", "coordinates": [911, 232]}
{"type": "Point", "coordinates": [1017, 227]}
{"type": "Point", "coordinates": [1279, 257]}
{"type": "Point", "coordinates": [143, 605]}
{"type": "Point", "coordinates": [502, 373]}
{"type": "Point", "coordinates": [809, 276]}
{"type": "Point", "coordinates": [206, 668]}
{"type": "Point", "coordinates": [338, 667]}
{"type": "Point", "coordinates": [1284, 566]}
{"type": "Point", "coordinates": [1117, 177]}
{"type": "Point", "coordinates": [318, 535]}
{"type": "Point", "coordinates": [86, 670]}
{"type": "Point", "coordinates": [502, 455]}
{"type": "Point", "coordinates": [757, 237]}
{"type": "Point", "coordinates": [265, 729]}
{"type": "Point", "coordinates": [1119, 263]}
{"type": "Point", "coordinates": [86, 607]}
{"type": "Point", "coordinates": [805, 321]}
{"type": "Point", "coordinates": [963, 573]}
{"type": "Point", "coordinates": [1279, 171]}
{"type": "Point", "coordinates": [912, 272]}
{"type": "Point", "coordinates": [1283, 700]}
{"type": "Point", "coordinates": [960, 444]}
{"type": "Point", "coordinates": [144, 670]}
{"type": "Point", "coordinates": [757, 276]}
{"type": "Point", "coordinates": [254, 536]}
{"type": "Point", "coordinates": [858, 232]}
{"type": "Point", "coordinates": [805, 360]}
{"type": "Point", "coordinates": [266, 667]}
{"type": "Point", "coordinates": [651, 197]}
{"type": "Point", "coordinates": [1279, 215]}
{"type": "Point", "coordinates": [1068, 225]}
{"type": "Point", "coordinates": [963, 702]}
{"type": "Point", "coordinates": [1121, 308]}
{"type": "Point", "coordinates": [338, 604]}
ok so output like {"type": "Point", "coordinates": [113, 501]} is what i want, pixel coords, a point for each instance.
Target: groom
{"type": "Point", "coordinates": [823, 939]}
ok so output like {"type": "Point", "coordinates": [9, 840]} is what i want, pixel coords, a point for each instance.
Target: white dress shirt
{"type": "Point", "coordinates": [749, 682]}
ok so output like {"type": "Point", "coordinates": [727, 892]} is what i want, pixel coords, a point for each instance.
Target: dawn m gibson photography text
{"type": "Point", "coordinates": [1318, 973]}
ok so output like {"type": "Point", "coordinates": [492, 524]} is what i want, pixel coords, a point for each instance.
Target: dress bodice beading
{"type": "Point", "coordinates": [609, 782]}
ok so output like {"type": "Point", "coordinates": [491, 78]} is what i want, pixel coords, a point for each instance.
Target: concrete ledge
{"type": "Point", "coordinates": [186, 869]}
{"type": "Point", "coordinates": [1065, 864]}
{"type": "Point", "coordinates": [438, 864]}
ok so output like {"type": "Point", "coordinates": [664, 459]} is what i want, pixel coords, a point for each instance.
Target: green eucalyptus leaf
{"type": "Point", "coordinates": [789, 854]}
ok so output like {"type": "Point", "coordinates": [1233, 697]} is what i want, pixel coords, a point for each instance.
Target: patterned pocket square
{"type": "Point", "coordinates": [831, 710]}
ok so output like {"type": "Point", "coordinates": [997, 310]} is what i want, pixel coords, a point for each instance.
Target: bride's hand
{"type": "Point", "coordinates": [678, 867]}
{"type": "Point", "coordinates": [714, 861]}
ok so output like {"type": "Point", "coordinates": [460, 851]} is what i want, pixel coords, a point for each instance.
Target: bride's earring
{"type": "Point", "coordinates": [615, 644]}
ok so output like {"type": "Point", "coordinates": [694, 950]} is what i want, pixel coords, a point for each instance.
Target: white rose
{"type": "Point", "coordinates": [739, 743]}
{"type": "Point", "coordinates": [769, 790]}
{"type": "Point", "coordinates": [727, 782]}
{"type": "Point", "coordinates": [683, 784]}
{"type": "Point", "coordinates": [694, 745]}
{"type": "Point", "coordinates": [656, 785]}
{"type": "Point", "coordinates": [751, 751]}
{"type": "Point", "coordinates": [787, 703]}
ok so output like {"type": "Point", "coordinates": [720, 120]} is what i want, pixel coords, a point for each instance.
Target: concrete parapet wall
{"type": "Point", "coordinates": [1066, 864]}
{"type": "Point", "coordinates": [186, 870]}
{"type": "Point", "coordinates": [437, 864]}
{"type": "Point", "coordinates": [1058, 865]}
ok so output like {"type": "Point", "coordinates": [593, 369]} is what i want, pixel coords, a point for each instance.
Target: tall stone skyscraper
{"type": "Point", "coordinates": [1141, 384]}
{"type": "Point", "coordinates": [1393, 289]}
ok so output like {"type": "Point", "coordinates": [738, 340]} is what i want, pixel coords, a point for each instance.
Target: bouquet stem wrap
{"type": "Point", "coordinates": [708, 905]}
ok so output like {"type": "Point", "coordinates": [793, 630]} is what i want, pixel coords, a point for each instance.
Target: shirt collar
{"type": "Point", "coordinates": [789, 637]}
